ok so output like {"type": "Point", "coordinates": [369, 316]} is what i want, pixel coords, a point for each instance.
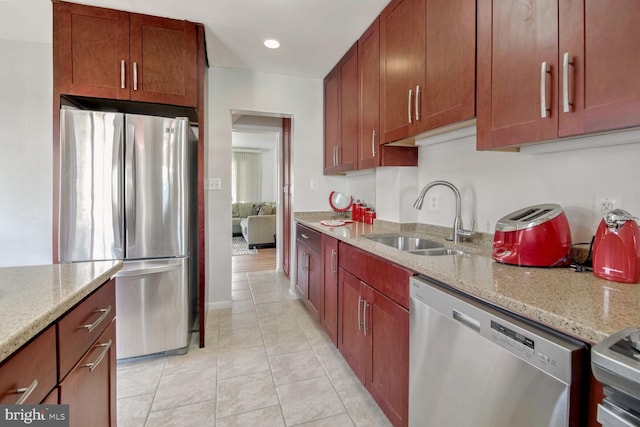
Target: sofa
{"type": "Point", "coordinates": [255, 221]}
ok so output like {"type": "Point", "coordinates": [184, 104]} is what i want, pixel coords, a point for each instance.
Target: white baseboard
{"type": "Point", "coordinates": [218, 305]}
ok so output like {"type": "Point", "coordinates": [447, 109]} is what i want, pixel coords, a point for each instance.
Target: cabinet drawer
{"type": "Point", "coordinates": [309, 237]}
{"type": "Point", "coordinates": [80, 328]}
{"type": "Point", "coordinates": [89, 389]}
{"type": "Point", "coordinates": [388, 278]}
{"type": "Point", "coordinates": [33, 365]}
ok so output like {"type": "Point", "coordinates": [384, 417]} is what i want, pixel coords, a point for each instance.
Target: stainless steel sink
{"type": "Point", "coordinates": [438, 252]}
{"type": "Point", "coordinates": [406, 243]}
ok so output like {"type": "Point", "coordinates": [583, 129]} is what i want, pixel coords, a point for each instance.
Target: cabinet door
{"type": "Point", "coordinates": [91, 55]}
{"type": "Point", "coordinates": [387, 326]}
{"type": "Point", "coordinates": [163, 60]}
{"type": "Point", "coordinates": [402, 53]}
{"type": "Point", "coordinates": [90, 388]}
{"type": "Point", "coordinates": [314, 283]}
{"type": "Point", "coordinates": [331, 120]}
{"type": "Point", "coordinates": [329, 313]}
{"type": "Point", "coordinates": [351, 339]}
{"type": "Point", "coordinates": [602, 40]}
{"type": "Point", "coordinates": [515, 39]}
{"type": "Point", "coordinates": [369, 80]}
{"type": "Point", "coordinates": [302, 271]}
{"type": "Point", "coordinates": [348, 151]}
{"type": "Point", "coordinates": [449, 91]}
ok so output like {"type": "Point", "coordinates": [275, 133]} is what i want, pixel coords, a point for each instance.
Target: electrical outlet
{"type": "Point", "coordinates": [433, 199]}
{"type": "Point", "coordinates": [605, 204]}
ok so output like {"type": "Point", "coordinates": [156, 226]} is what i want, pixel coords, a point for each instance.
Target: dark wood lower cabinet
{"type": "Point", "coordinates": [388, 356]}
{"type": "Point", "coordinates": [309, 269]}
{"type": "Point", "coordinates": [329, 314]}
{"type": "Point", "coordinates": [373, 337]}
{"type": "Point", "coordinates": [351, 338]}
{"type": "Point", "coordinates": [89, 389]}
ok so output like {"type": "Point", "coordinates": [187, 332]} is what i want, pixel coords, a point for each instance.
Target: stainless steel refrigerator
{"type": "Point", "coordinates": [127, 183]}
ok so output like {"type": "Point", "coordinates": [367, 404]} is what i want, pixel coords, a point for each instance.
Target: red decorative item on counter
{"type": "Point", "coordinates": [355, 210]}
{"type": "Point", "coordinates": [616, 249]}
{"type": "Point", "coordinates": [370, 215]}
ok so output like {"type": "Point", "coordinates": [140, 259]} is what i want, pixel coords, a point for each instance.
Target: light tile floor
{"type": "Point", "coordinates": [266, 363]}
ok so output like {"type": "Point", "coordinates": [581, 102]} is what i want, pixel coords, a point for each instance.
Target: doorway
{"type": "Point", "coordinates": [260, 161]}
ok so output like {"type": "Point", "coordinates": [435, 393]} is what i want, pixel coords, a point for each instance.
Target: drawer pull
{"type": "Point", "coordinates": [304, 236]}
{"type": "Point", "coordinates": [26, 392]}
{"type": "Point", "coordinates": [105, 350]}
{"type": "Point", "coordinates": [105, 312]}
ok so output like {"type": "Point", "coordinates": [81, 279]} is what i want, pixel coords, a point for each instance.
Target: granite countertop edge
{"type": "Point", "coordinates": [569, 302]}
{"type": "Point", "coordinates": [40, 321]}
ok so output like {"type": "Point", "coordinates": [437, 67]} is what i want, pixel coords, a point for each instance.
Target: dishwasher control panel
{"type": "Point", "coordinates": [515, 336]}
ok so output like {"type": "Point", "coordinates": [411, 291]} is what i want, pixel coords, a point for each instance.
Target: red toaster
{"type": "Point", "coordinates": [616, 249]}
{"type": "Point", "coordinates": [536, 236]}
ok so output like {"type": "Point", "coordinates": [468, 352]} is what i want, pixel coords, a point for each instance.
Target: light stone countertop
{"type": "Point", "coordinates": [578, 304]}
{"type": "Point", "coordinates": [33, 297]}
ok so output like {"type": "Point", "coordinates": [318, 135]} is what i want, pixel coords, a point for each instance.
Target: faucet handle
{"type": "Point", "coordinates": [468, 234]}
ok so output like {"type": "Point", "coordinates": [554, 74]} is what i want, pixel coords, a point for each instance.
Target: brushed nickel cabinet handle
{"type": "Point", "coordinates": [103, 353]}
{"type": "Point", "coordinates": [122, 71]}
{"type": "Point", "coordinates": [359, 304]}
{"type": "Point", "coordinates": [135, 76]}
{"type": "Point", "coordinates": [105, 312]}
{"type": "Point", "coordinates": [304, 236]}
{"type": "Point", "coordinates": [566, 98]}
{"type": "Point", "coordinates": [418, 102]}
{"type": "Point", "coordinates": [544, 70]}
{"type": "Point", "coordinates": [26, 392]}
{"type": "Point", "coordinates": [373, 143]}
{"type": "Point", "coordinates": [409, 106]}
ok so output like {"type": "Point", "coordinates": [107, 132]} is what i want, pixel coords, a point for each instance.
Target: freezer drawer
{"type": "Point", "coordinates": [152, 304]}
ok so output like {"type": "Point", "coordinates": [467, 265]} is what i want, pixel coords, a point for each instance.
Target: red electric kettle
{"type": "Point", "coordinates": [616, 249]}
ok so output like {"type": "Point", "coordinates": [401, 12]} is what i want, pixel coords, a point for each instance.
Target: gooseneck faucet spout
{"type": "Point", "coordinates": [458, 230]}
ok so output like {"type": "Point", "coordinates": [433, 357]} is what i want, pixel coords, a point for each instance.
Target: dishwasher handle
{"type": "Point", "coordinates": [466, 320]}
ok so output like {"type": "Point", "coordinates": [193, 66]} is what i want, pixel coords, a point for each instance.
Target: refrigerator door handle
{"type": "Point", "coordinates": [130, 185]}
{"type": "Point", "coordinates": [116, 195]}
{"type": "Point", "coordinates": [146, 269]}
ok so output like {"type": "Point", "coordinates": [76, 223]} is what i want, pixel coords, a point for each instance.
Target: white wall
{"type": "Point", "coordinates": [494, 184]}
{"type": "Point", "coordinates": [247, 91]}
{"type": "Point", "coordinates": [26, 85]}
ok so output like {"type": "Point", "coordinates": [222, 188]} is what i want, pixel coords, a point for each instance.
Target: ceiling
{"type": "Point", "coordinates": [314, 34]}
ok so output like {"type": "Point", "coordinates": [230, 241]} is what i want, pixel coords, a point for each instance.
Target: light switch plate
{"type": "Point", "coordinates": [214, 184]}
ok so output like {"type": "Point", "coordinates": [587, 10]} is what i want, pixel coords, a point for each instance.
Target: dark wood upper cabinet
{"type": "Point", "coordinates": [164, 60]}
{"type": "Point", "coordinates": [105, 53]}
{"type": "Point", "coordinates": [352, 112]}
{"type": "Point", "coordinates": [601, 41]}
{"type": "Point", "coordinates": [450, 70]}
{"type": "Point", "coordinates": [341, 115]}
{"type": "Point", "coordinates": [369, 107]}
{"type": "Point", "coordinates": [557, 69]}
{"type": "Point", "coordinates": [91, 51]}
{"type": "Point", "coordinates": [402, 55]}
{"type": "Point", "coordinates": [427, 65]}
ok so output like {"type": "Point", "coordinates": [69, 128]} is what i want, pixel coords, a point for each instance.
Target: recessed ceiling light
{"type": "Point", "coordinates": [272, 43]}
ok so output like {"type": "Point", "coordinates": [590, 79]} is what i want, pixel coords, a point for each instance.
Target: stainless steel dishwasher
{"type": "Point", "coordinates": [471, 364]}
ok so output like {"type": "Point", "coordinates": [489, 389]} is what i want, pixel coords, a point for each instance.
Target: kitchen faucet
{"type": "Point", "coordinates": [458, 231]}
